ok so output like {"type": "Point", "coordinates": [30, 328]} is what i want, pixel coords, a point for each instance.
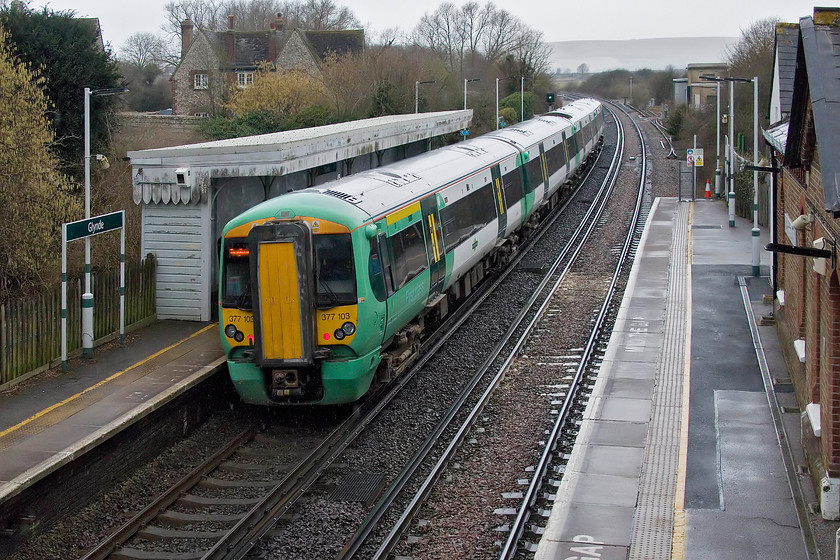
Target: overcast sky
{"type": "Point", "coordinates": [594, 19]}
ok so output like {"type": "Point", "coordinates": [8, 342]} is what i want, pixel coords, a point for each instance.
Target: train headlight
{"type": "Point", "coordinates": [239, 336]}
{"type": "Point", "coordinates": [348, 328]}
{"type": "Point", "coordinates": [338, 334]}
{"type": "Point", "coordinates": [230, 330]}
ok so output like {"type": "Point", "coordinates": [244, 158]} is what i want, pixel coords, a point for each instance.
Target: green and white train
{"type": "Point", "coordinates": [325, 292]}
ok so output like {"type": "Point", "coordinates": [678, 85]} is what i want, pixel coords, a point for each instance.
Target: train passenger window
{"type": "Point", "coordinates": [513, 187]}
{"type": "Point", "coordinates": [573, 145]}
{"type": "Point", "coordinates": [375, 271]}
{"type": "Point", "coordinates": [464, 217]}
{"type": "Point", "coordinates": [555, 158]}
{"type": "Point", "coordinates": [409, 251]}
{"type": "Point", "coordinates": [535, 173]}
{"type": "Point", "coordinates": [236, 275]}
{"type": "Point", "coordinates": [335, 278]}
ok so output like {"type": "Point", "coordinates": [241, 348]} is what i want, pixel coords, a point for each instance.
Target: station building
{"type": "Point", "coordinates": [806, 146]}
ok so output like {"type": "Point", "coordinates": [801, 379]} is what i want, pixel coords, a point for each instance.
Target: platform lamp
{"type": "Point", "coordinates": [497, 99]}
{"type": "Point", "coordinates": [87, 297]}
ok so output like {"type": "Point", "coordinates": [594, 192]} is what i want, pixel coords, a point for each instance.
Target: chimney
{"type": "Point", "coordinates": [230, 22]}
{"type": "Point", "coordinates": [230, 40]}
{"type": "Point", "coordinates": [278, 22]}
{"type": "Point", "coordinates": [186, 36]}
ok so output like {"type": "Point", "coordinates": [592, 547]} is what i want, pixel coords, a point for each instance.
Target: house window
{"type": "Point", "coordinates": [200, 81]}
{"type": "Point", "coordinates": [244, 79]}
{"type": "Point", "coordinates": [201, 114]}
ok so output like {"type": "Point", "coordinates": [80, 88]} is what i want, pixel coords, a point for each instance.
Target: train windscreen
{"type": "Point", "coordinates": [236, 279]}
{"type": "Point", "coordinates": [335, 277]}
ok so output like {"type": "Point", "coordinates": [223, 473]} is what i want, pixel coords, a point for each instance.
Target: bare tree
{"type": "Point", "coordinates": [473, 31]}
{"type": "Point", "coordinates": [143, 49]}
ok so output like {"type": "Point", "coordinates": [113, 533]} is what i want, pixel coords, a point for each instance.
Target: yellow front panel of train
{"type": "Point", "coordinates": [280, 319]}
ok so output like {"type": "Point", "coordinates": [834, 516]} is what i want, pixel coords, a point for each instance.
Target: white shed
{"type": "Point", "coordinates": [188, 193]}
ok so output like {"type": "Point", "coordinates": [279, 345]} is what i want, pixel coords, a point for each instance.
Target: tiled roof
{"type": "Point", "coordinates": [338, 42]}
{"type": "Point", "coordinates": [818, 75]}
{"type": "Point", "coordinates": [787, 41]}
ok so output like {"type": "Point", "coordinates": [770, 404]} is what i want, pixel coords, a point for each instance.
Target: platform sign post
{"type": "Point", "coordinates": [83, 229]}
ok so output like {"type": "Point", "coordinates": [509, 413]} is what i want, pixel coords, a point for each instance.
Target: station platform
{"type": "Point", "coordinates": [48, 422]}
{"type": "Point", "coordinates": [684, 451]}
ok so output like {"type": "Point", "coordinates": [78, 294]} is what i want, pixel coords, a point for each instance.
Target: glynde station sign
{"type": "Point", "coordinates": [94, 226]}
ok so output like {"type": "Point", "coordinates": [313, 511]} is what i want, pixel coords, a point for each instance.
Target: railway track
{"type": "Point", "coordinates": [280, 497]}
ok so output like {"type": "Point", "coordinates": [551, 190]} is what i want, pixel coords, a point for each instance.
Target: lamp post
{"type": "Point", "coordinates": [466, 81]}
{"type": "Point", "coordinates": [756, 243]}
{"type": "Point", "coordinates": [497, 99]}
{"type": "Point", "coordinates": [87, 297]}
{"type": "Point", "coordinates": [417, 94]}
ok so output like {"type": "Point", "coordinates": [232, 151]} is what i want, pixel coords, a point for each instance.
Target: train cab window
{"type": "Point", "coordinates": [464, 217]}
{"type": "Point", "coordinates": [236, 275]}
{"type": "Point", "coordinates": [335, 278]}
{"type": "Point", "coordinates": [513, 187]}
{"type": "Point", "coordinates": [376, 271]}
{"type": "Point", "coordinates": [409, 252]}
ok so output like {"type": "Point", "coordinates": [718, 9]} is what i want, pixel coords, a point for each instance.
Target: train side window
{"type": "Point", "coordinates": [376, 271]}
{"type": "Point", "coordinates": [513, 187]}
{"type": "Point", "coordinates": [464, 217]}
{"type": "Point", "coordinates": [556, 158]}
{"type": "Point", "coordinates": [409, 252]}
{"type": "Point", "coordinates": [535, 173]}
{"type": "Point", "coordinates": [573, 147]}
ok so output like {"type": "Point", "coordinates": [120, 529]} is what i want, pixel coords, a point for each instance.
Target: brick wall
{"type": "Point", "coordinates": [829, 343]}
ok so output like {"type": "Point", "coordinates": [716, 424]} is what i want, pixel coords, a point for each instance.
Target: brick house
{"type": "Point", "coordinates": [212, 61]}
{"type": "Point", "coordinates": [807, 208]}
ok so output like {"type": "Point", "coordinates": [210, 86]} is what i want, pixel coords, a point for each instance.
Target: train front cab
{"type": "Point", "coordinates": [290, 311]}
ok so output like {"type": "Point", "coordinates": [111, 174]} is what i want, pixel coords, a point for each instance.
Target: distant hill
{"type": "Point", "coordinates": [656, 54]}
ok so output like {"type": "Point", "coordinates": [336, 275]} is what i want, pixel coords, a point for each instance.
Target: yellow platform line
{"type": "Point", "coordinates": [678, 542]}
{"type": "Point", "coordinates": [71, 398]}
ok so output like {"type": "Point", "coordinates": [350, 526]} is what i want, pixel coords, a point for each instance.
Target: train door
{"type": "Point", "coordinates": [500, 199]}
{"type": "Point", "coordinates": [434, 244]}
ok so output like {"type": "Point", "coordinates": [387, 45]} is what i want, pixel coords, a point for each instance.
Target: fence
{"type": "Point", "coordinates": [30, 329]}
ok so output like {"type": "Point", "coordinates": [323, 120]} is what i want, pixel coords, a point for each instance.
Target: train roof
{"type": "Point", "coordinates": [379, 191]}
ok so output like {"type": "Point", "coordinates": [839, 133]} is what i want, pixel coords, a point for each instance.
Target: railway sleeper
{"type": "Point", "coordinates": [135, 554]}
{"type": "Point", "coordinates": [151, 533]}
{"type": "Point", "coordinates": [180, 519]}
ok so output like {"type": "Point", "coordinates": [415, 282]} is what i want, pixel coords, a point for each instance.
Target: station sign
{"type": "Point", "coordinates": [694, 157]}
{"type": "Point", "coordinates": [94, 226]}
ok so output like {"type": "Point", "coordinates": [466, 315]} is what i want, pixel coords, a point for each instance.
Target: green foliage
{"type": "Point", "coordinates": [507, 115]}
{"type": "Point", "coordinates": [34, 198]}
{"type": "Point", "coordinates": [264, 122]}
{"type": "Point", "coordinates": [150, 89]}
{"type": "Point", "coordinates": [67, 52]}
{"type": "Point", "coordinates": [515, 101]}
{"type": "Point", "coordinates": [385, 99]}
{"type": "Point", "coordinates": [675, 121]}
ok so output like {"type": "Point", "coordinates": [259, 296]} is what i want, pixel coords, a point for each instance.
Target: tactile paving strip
{"type": "Point", "coordinates": [654, 522]}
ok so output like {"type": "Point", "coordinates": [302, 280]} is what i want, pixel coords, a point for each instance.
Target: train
{"type": "Point", "coordinates": [325, 293]}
